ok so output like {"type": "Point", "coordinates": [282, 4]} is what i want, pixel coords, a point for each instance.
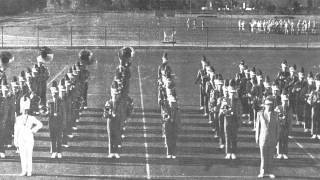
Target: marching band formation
{"type": "Point", "coordinates": [268, 107]}
{"type": "Point", "coordinates": [279, 26]}
{"type": "Point", "coordinates": [250, 97]}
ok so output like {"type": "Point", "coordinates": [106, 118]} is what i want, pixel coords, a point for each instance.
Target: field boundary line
{"type": "Point", "coordinates": [144, 126]}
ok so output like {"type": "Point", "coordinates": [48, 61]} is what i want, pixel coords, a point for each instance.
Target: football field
{"type": "Point", "coordinates": [143, 151]}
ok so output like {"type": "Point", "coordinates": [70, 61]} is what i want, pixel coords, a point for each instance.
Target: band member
{"type": "Point", "coordinates": [46, 56]}
{"type": "Point", "coordinates": [315, 112]}
{"type": "Point", "coordinates": [283, 74]}
{"type": "Point", "coordinates": [202, 78]}
{"type": "Point", "coordinates": [214, 104]}
{"type": "Point", "coordinates": [55, 121]}
{"type": "Point", "coordinates": [24, 129]}
{"type": "Point", "coordinates": [291, 80]}
{"type": "Point", "coordinates": [267, 135]}
{"type": "Point", "coordinates": [208, 87]}
{"type": "Point", "coordinates": [5, 108]}
{"type": "Point", "coordinates": [171, 127]}
{"type": "Point", "coordinates": [10, 99]}
{"type": "Point", "coordinates": [111, 113]}
{"type": "Point", "coordinates": [17, 94]}
{"type": "Point", "coordinates": [224, 98]}
{"type": "Point", "coordinates": [125, 55]}
{"type": "Point", "coordinates": [64, 112]}
{"type": "Point", "coordinates": [308, 89]}
{"type": "Point", "coordinates": [231, 113]}
{"type": "Point", "coordinates": [84, 75]}
{"type": "Point", "coordinates": [299, 91]}
{"type": "Point", "coordinates": [285, 118]}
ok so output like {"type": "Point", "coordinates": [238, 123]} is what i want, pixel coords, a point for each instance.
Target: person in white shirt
{"type": "Point", "coordinates": [25, 127]}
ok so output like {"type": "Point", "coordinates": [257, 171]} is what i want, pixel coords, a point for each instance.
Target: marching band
{"type": "Point", "coordinates": [269, 108]}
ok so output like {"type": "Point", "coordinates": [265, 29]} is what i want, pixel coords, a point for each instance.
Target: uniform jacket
{"type": "Point", "coordinates": [231, 110]}
{"type": "Point", "coordinates": [4, 111]}
{"type": "Point", "coordinates": [202, 77]}
{"type": "Point", "coordinates": [55, 114]}
{"type": "Point", "coordinates": [267, 129]}
{"type": "Point", "coordinates": [164, 70]}
{"type": "Point", "coordinates": [285, 117]}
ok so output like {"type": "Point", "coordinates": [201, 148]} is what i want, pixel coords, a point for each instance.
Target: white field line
{"type": "Point", "coordinates": [304, 150]}
{"type": "Point", "coordinates": [144, 126]}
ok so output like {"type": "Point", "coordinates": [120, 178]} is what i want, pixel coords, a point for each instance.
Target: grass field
{"type": "Point", "coordinates": [143, 152]}
{"type": "Point", "coordinates": [138, 29]}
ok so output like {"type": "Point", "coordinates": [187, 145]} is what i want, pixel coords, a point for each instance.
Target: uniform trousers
{"type": "Point", "coordinates": [25, 150]}
{"type": "Point", "coordinates": [231, 130]}
{"type": "Point", "coordinates": [85, 94]}
{"type": "Point", "coordinates": [307, 115]}
{"type": "Point", "coordinates": [315, 121]}
{"type": "Point", "coordinates": [171, 137]}
{"type": "Point", "coordinates": [9, 132]}
{"type": "Point", "coordinates": [283, 139]}
{"type": "Point", "coordinates": [266, 155]}
{"type": "Point", "coordinates": [2, 139]}
{"type": "Point", "coordinates": [42, 94]}
{"type": "Point", "coordinates": [55, 135]}
{"type": "Point", "coordinates": [300, 111]}
{"type": "Point", "coordinates": [202, 93]}
{"type": "Point", "coordinates": [221, 130]}
{"type": "Point", "coordinates": [114, 134]}
{"type": "Point", "coordinates": [245, 105]}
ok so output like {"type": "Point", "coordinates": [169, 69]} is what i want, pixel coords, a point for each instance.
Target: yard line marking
{"type": "Point", "coordinates": [144, 126]}
{"type": "Point", "coordinates": [57, 75]}
{"type": "Point", "coordinates": [304, 150]}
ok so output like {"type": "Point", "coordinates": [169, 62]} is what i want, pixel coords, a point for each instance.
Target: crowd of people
{"type": "Point", "coordinates": [279, 26]}
{"type": "Point", "coordinates": [268, 107]}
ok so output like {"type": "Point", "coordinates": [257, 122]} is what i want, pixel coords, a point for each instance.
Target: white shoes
{"type": "Point", "coordinates": [2, 155]}
{"type": "Point", "coordinates": [29, 174]}
{"type": "Point", "coordinates": [85, 107]}
{"type": "Point", "coordinates": [314, 137]}
{"type": "Point", "coordinates": [53, 155]}
{"type": "Point", "coordinates": [123, 136]}
{"type": "Point", "coordinates": [221, 146]}
{"type": "Point", "coordinates": [110, 155]}
{"type": "Point", "coordinates": [23, 174]}
{"type": "Point", "coordinates": [260, 175]}
{"type": "Point", "coordinates": [318, 136]}
{"type": "Point", "coordinates": [168, 156]}
{"type": "Point", "coordinates": [74, 128]}
{"type": "Point", "coordinates": [59, 155]}
{"type": "Point", "coordinates": [114, 155]}
{"type": "Point", "coordinates": [65, 145]}
{"type": "Point", "coordinates": [201, 108]}
{"type": "Point", "coordinates": [173, 157]}
{"type": "Point", "coordinates": [233, 156]}
{"type": "Point", "coordinates": [279, 156]}
{"type": "Point", "coordinates": [285, 156]}
{"type": "Point", "coordinates": [70, 136]}
{"type": "Point", "coordinates": [228, 156]}
{"type": "Point", "coordinates": [272, 176]}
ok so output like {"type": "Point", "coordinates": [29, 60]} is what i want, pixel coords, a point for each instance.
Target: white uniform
{"type": "Point", "coordinates": [25, 127]}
